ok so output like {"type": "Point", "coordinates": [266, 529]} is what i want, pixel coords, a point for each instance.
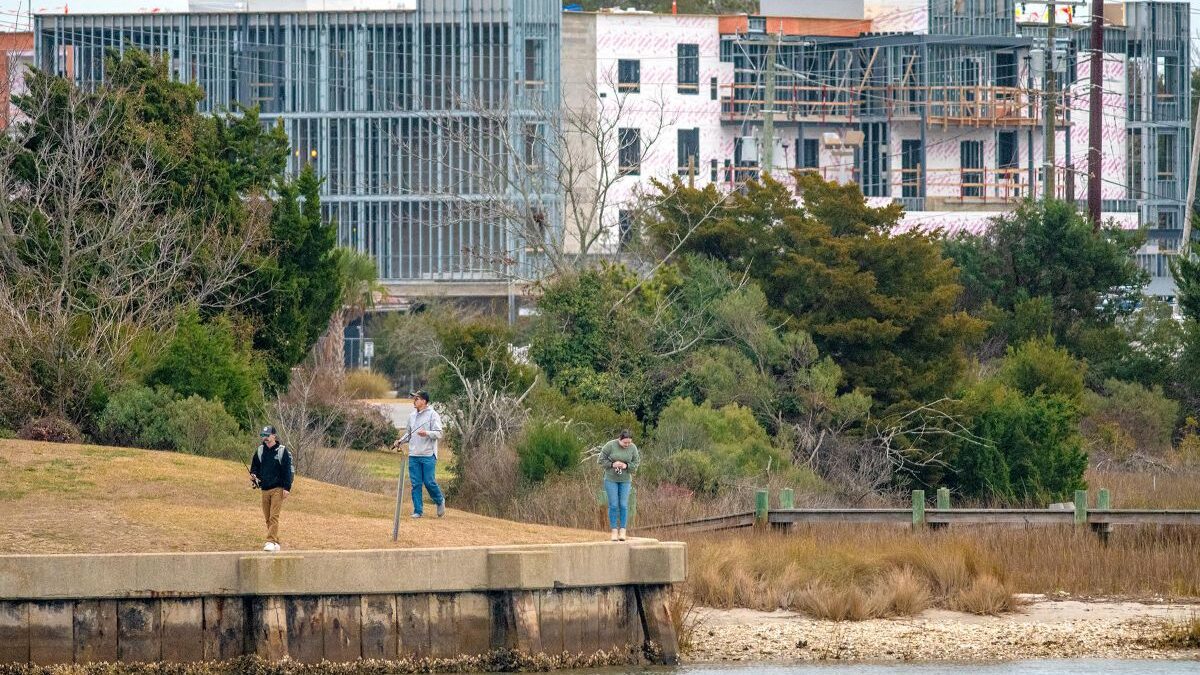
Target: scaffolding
{"type": "Point", "coordinates": [366, 98]}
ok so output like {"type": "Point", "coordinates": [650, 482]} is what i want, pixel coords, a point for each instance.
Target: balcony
{"type": "Point", "coordinates": [957, 106]}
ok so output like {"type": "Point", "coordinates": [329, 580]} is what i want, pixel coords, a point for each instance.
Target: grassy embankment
{"type": "Point", "coordinates": [79, 498]}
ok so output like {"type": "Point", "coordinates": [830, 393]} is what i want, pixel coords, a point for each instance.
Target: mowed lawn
{"type": "Point", "coordinates": [91, 499]}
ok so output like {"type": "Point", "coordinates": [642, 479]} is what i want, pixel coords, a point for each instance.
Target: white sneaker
{"type": "Point", "coordinates": [416, 515]}
{"type": "Point", "coordinates": [268, 546]}
{"type": "Point", "coordinates": [441, 508]}
{"type": "Point", "coordinates": [275, 547]}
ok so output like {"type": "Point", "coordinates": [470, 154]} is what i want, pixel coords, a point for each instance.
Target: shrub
{"type": "Point", "coordinates": [137, 417]}
{"type": "Point", "coordinates": [1140, 414]}
{"type": "Point", "coordinates": [50, 429]}
{"type": "Point", "coordinates": [546, 449]}
{"type": "Point", "coordinates": [730, 437]}
{"type": "Point", "coordinates": [1026, 448]}
{"type": "Point", "coordinates": [361, 427]}
{"type": "Point", "coordinates": [692, 469]}
{"type": "Point", "coordinates": [595, 423]}
{"type": "Point", "coordinates": [202, 427]}
{"type": "Point", "coordinates": [213, 362]}
{"type": "Point", "coordinates": [361, 384]}
{"type": "Point", "coordinates": [1037, 366]}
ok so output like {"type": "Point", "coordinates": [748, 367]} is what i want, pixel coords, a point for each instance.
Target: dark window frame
{"type": "Point", "coordinates": [687, 68]}
{"type": "Point", "coordinates": [629, 154]}
{"type": "Point", "coordinates": [629, 75]}
{"type": "Point", "coordinates": [688, 139]}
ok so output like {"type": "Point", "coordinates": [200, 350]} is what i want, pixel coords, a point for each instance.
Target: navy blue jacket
{"type": "Point", "coordinates": [273, 466]}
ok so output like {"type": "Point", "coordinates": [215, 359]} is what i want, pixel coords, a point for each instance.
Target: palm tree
{"type": "Point", "coordinates": [359, 282]}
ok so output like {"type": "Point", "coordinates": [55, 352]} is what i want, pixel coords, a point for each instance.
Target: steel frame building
{"type": "Point", "coordinates": [366, 97]}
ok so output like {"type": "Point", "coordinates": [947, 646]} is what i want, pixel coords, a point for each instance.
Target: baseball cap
{"type": "Point", "coordinates": [267, 431]}
{"type": "Point", "coordinates": [422, 394]}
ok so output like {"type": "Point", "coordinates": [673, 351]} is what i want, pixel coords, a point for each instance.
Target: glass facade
{"type": "Point", "coordinates": [395, 109]}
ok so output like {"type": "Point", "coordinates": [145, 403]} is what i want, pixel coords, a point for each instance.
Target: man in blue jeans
{"type": "Point", "coordinates": [424, 430]}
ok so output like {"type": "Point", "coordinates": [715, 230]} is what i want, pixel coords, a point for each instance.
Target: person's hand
{"type": "Point", "coordinates": [620, 466]}
{"type": "Point", "coordinates": [287, 493]}
{"type": "Point", "coordinates": [254, 478]}
{"type": "Point", "coordinates": [422, 433]}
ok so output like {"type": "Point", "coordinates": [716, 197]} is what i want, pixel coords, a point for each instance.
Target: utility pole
{"type": "Point", "coordinates": [768, 141]}
{"type": "Point", "coordinates": [1050, 85]}
{"type": "Point", "coordinates": [1189, 206]}
{"type": "Point", "coordinates": [1095, 100]}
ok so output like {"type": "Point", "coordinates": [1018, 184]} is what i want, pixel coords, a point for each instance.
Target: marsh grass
{"type": "Point", "coordinates": [854, 572]}
{"type": "Point", "coordinates": [1183, 633]}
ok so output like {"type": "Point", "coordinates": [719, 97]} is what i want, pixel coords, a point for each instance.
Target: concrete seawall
{"type": "Point", "coordinates": [339, 605]}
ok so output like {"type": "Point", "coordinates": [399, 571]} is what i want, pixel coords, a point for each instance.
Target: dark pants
{"type": "Point", "coordinates": [421, 472]}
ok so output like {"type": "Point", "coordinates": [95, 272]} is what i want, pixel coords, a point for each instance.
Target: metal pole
{"type": "Point", "coordinates": [1050, 85]}
{"type": "Point", "coordinates": [399, 497]}
{"type": "Point", "coordinates": [1094, 121]}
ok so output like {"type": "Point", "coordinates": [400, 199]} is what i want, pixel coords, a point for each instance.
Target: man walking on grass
{"type": "Point", "coordinates": [424, 430]}
{"type": "Point", "coordinates": [271, 470]}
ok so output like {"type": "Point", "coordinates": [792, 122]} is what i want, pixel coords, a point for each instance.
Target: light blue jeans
{"type": "Point", "coordinates": [421, 473]}
{"type": "Point", "coordinates": [618, 502]}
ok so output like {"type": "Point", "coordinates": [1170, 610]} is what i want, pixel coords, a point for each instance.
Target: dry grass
{"type": "Point", "coordinates": [684, 617]}
{"type": "Point", "coordinates": [837, 573]}
{"type": "Point", "coordinates": [1183, 633]}
{"type": "Point", "coordinates": [363, 384]}
{"type": "Point", "coordinates": [1148, 490]}
{"type": "Point", "coordinates": [850, 572]}
{"type": "Point", "coordinates": [76, 498]}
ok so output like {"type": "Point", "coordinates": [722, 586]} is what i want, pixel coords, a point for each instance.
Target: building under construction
{"type": "Point", "coordinates": [937, 104]}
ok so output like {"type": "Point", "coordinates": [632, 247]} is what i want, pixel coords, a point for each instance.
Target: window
{"type": "Point", "coordinates": [970, 155]}
{"type": "Point", "coordinates": [713, 170]}
{"type": "Point", "coordinates": [712, 89]}
{"type": "Point", "coordinates": [688, 67]}
{"type": "Point", "coordinates": [624, 228]}
{"type": "Point", "coordinates": [629, 157]}
{"type": "Point", "coordinates": [534, 62]}
{"type": "Point", "coordinates": [629, 75]}
{"type": "Point", "coordinates": [757, 24]}
{"type": "Point", "coordinates": [1006, 69]}
{"type": "Point", "coordinates": [533, 147]}
{"type": "Point", "coordinates": [689, 151]}
{"type": "Point", "coordinates": [1133, 163]}
{"type": "Point", "coordinates": [1006, 150]}
{"type": "Point", "coordinates": [808, 154]}
{"type": "Point", "coordinates": [1166, 157]}
{"type": "Point", "coordinates": [910, 168]}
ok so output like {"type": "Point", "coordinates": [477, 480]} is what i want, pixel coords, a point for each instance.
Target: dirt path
{"type": "Point", "coordinates": [1041, 629]}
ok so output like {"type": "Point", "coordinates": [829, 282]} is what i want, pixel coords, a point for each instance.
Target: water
{"type": "Point", "coordinates": [1040, 667]}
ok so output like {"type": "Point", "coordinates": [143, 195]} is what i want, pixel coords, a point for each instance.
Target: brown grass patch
{"type": "Point", "coordinates": [854, 572]}
{"type": "Point", "coordinates": [1183, 633]}
{"type": "Point", "coordinates": [1174, 489]}
{"type": "Point", "coordinates": [364, 384]}
{"type": "Point", "coordinates": [91, 499]}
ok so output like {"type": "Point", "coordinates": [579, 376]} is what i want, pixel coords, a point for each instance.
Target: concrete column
{"type": "Point", "coordinates": [14, 632]}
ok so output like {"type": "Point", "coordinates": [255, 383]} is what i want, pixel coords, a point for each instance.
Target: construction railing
{"type": "Point", "coordinates": [975, 106]}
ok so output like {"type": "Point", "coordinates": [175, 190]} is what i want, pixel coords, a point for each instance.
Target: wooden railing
{"type": "Point", "coordinates": [1099, 519]}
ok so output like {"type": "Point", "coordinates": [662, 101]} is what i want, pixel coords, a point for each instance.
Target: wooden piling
{"type": "Point", "coordinates": [918, 509]}
{"type": "Point", "coordinates": [787, 499]}
{"type": "Point", "coordinates": [761, 508]}
{"type": "Point", "coordinates": [1081, 506]}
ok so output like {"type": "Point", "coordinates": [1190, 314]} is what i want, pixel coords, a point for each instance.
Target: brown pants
{"type": "Point", "coordinates": [272, 504]}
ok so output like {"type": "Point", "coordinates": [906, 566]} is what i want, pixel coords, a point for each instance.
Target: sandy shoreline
{"type": "Point", "coordinates": [1043, 628]}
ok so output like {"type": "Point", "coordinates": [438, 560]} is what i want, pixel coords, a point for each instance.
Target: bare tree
{"type": "Point", "coordinates": [552, 177]}
{"type": "Point", "coordinates": [94, 261]}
